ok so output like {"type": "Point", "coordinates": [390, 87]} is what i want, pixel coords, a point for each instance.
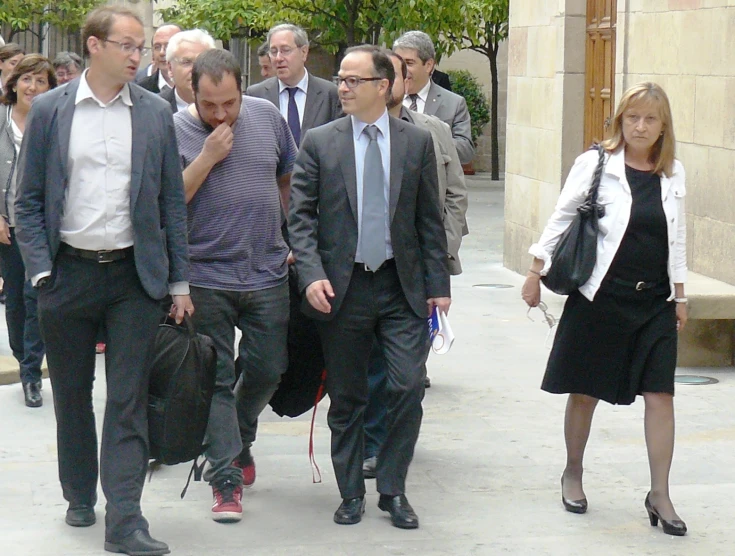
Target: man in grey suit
{"type": "Point", "coordinates": [371, 256]}
{"type": "Point", "coordinates": [426, 97]}
{"type": "Point", "coordinates": [305, 101]}
{"type": "Point", "coordinates": [101, 224]}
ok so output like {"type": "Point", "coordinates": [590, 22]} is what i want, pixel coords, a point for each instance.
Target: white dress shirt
{"type": "Point", "coordinates": [97, 204]}
{"type": "Point", "coordinates": [421, 100]}
{"type": "Point", "coordinates": [300, 97]}
{"type": "Point", "coordinates": [13, 186]}
{"type": "Point", "coordinates": [162, 83]}
{"type": "Point", "coordinates": [181, 104]}
{"type": "Point", "coordinates": [615, 196]}
{"type": "Point", "coordinates": [361, 141]}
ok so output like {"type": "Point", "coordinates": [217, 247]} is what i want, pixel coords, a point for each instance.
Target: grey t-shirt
{"type": "Point", "coordinates": [234, 220]}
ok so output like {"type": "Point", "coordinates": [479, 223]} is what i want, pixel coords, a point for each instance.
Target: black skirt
{"type": "Point", "coordinates": [618, 346]}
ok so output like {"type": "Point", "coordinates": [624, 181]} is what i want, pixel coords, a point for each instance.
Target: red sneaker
{"type": "Point", "coordinates": [246, 462]}
{"type": "Point", "coordinates": [227, 506]}
{"type": "Point", "coordinates": [100, 348]}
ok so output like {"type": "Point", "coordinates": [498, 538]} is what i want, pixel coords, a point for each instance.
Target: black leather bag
{"type": "Point", "coordinates": [575, 254]}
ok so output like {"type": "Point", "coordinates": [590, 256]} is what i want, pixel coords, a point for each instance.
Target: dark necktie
{"type": "Point", "coordinates": [372, 233]}
{"type": "Point", "coordinates": [414, 106]}
{"type": "Point", "coordinates": [293, 115]}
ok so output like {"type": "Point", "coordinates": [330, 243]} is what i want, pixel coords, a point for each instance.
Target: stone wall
{"type": "Point", "coordinates": [688, 47]}
{"type": "Point", "coordinates": [545, 116]}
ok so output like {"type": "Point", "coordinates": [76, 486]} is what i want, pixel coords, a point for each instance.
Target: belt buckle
{"type": "Point", "coordinates": [365, 267]}
{"type": "Point", "coordinates": [102, 256]}
{"type": "Point", "coordinates": [639, 286]}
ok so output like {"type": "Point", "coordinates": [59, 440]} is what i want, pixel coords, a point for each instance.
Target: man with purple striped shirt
{"type": "Point", "coordinates": [237, 153]}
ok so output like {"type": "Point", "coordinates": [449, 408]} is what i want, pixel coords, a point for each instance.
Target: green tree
{"type": "Point", "coordinates": [224, 19]}
{"type": "Point", "coordinates": [24, 15]}
{"type": "Point", "coordinates": [477, 25]}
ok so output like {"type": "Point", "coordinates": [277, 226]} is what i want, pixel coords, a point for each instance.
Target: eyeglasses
{"type": "Point", "coordinates": [353, 81]}
{"type": "Point", "coordinates": [160, 47]}
{"type": "Point", "coordinates": [285, 51]}
{"type": "Point", "coordinates": [548, 318]}
{"type": "Point", "coordinates": [129, 48]}
{"type": "Point", "coordinates": [184, 62]}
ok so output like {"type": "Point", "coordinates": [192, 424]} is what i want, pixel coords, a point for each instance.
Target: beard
{"type": "Point", "coordinates": [393, 102]}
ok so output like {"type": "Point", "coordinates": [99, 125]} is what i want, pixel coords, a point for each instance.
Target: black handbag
{"type": "Point", "coordinates": [575, 254]}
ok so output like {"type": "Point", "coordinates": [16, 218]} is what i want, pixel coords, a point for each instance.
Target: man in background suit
{"type": "Point", "coordinates": [371, 257]}
{"type": "Point", "coordinates": [101, 224]}
{"type": "Point", "coordinates": [441, 79]}
{"type": "Point", "coordinates": [158, 80]}
{"type": "Point", "coordinates": [426, 97]}
{"type": "Point", "coordinates": [183, 50]}
{"type": "Point", "coordinates": [453, 200]}
{"type": "Point", "coordinates": [305, 101]}
{"type": "Point", "coordinates": [264, 61]}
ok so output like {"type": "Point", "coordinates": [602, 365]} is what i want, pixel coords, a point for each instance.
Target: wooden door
{"type": "Point", "coordinates": [600, 69]}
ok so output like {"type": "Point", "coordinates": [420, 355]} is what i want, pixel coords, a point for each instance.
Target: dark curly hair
{"type": "Point", "coordinates": [31, 63]}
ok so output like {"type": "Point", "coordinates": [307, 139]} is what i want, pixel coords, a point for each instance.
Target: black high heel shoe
{"type": "Point", "coordinates": [677, 527]}
{"type": "Point", "coordinates": [574, 506]}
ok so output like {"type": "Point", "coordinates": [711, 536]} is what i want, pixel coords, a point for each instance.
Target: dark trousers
{"type": "Point", "coordinates": [80, 296]}
{"type": "Point", "coordinates": [21, 314]}
{"type": "Point", "coordinates": [375, 410]}
{"type": "Point", "coordinates": [374, 306]}
{"type": "Point", "coordinates": [262, 317]}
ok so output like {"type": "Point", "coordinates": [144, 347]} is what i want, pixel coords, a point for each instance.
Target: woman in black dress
{"type": "Point", "coordinates": [617, 337]}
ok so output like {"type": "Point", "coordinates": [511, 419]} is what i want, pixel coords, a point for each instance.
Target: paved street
{"type": "Point", "coordinates": [485, 479]}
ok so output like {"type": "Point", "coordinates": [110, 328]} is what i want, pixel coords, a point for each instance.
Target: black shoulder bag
{"type": "Point", "coordinates": [575, 254]}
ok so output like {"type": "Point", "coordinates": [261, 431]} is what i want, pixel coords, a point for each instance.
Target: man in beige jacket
{"type": "Point", "coordinates": [453, 199]}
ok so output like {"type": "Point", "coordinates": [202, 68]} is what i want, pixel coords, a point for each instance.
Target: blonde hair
{"type": "Point", "coordinates": [663, 151]}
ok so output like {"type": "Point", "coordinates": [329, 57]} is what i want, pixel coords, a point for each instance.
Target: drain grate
{"type": "Point", "coordinates": [493, 286]}
{"type": "Point", "coordinates": [694, 380]}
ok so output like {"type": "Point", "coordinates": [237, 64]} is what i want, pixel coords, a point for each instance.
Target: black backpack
{"type": "Point", "coordinates": [182, 378]}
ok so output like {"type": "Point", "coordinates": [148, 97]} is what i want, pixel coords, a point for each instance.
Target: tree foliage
{"type": "Point", "coordinates": [23, 15]}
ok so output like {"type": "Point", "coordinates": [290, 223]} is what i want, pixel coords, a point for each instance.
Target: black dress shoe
{"type": "Point", "coordinates": [401, 512]}
{"type": "Point", "coordinates": [80, 515]}
{"type": "Point", "coordinates": [368, 467]}
{"type": "Point", "coordinates": [32, 394]}
{"type": "Point", "coordinates": [427, 382]}
{"type": "Point", "coordinates": [138, 543]}
{"type": "Point", "coordinates": [574, 506]}
{"type": "Point", "coordinates": [350, 511]}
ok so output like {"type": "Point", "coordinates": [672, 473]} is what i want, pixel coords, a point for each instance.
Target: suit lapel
{"type": "Point", "coordinates": [433, 100]}
{"type": "Point", "coordinates": [65, 117]}
{"type": "Point", "coordinates": [272, 89]}
{"type": "Point", "coordinates": [311, 107]}
{"type": "Point", "coordinates": [398, 152]}
{"type": "Point", "coordinates": [140, 145]}
{"type": "Point", "coordinates": [345, 147]}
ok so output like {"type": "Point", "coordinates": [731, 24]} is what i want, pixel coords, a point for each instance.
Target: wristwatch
{"type": "Point", "coordinates": [42, 282]}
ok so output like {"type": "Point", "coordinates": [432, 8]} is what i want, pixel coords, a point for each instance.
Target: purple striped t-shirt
{"type": "Point", "coordinates": [234, 220]}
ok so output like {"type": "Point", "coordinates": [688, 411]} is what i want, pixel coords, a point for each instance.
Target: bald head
{"type": "Point", "coordinates": [159, 43]}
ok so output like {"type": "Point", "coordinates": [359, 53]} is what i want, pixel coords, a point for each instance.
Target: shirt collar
{"type": "Point", "coordinates": [382, 123]}
{"type": "Point", "coordinates": [180, 101]}
{"type": "Point", "coordinates": [84, 92]}
{"type": "Point", "coordinates": [406, 115]}
{"type": "Point", "coordinates": [424, 92]}
{"type": "Point", "coordinates": [302, 85]}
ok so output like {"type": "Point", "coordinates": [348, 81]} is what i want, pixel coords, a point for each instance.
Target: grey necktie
{"type": "Point", "coordinates": [414, 106]}
{"type": "Point", "coordinates": [372, 233]}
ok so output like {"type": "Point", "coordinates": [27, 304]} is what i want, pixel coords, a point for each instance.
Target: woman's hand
{"type": "Point", "coordinates": [681, 316]}
{"type": "Point", "coordinates": [531, 292]}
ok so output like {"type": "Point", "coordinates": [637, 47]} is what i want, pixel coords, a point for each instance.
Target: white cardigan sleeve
{"type": "Point", "coordinates": [572, 195]}
{"type": "Point", "coordinates": [680, 253]}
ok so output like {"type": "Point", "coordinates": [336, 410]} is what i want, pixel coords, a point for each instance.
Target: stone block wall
{"type": "Point", "coordinates": [544, 118]}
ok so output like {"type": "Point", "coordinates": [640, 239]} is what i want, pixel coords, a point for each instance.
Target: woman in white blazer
{"type": "Point", "coordinates": [617, 337]}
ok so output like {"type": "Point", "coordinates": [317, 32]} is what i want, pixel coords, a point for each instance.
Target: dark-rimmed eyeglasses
{"type": "Point", "coordinates": [129, 47]}
{"type": "Point", "coordinates": [353, 81]}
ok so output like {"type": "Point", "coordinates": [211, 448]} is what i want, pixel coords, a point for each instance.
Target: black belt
{"type": "Point", "coordinates": [390, 263]}
{"type": "Point", "coordinates": [638, 286]}
{"type": "Point", "coordinates": [109, 256]}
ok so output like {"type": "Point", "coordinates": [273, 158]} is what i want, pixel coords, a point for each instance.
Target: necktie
{"type": "Point", "coordinates": [414, 106]}
{"type": "Point", "coordinates": [293, 115]}
{"type": "Point", "coordinates": [372, 236]}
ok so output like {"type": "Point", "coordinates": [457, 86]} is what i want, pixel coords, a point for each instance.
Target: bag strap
{"type": "Point", "coordinates": [312, 459]}
{"type": "Point", "coordinates": [597, 176]}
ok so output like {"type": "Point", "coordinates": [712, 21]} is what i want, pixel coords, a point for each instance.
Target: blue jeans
{"type": "Point", "coordinates": [262, 316]}
{"type": "Point", "coordinates": [21, 313]}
